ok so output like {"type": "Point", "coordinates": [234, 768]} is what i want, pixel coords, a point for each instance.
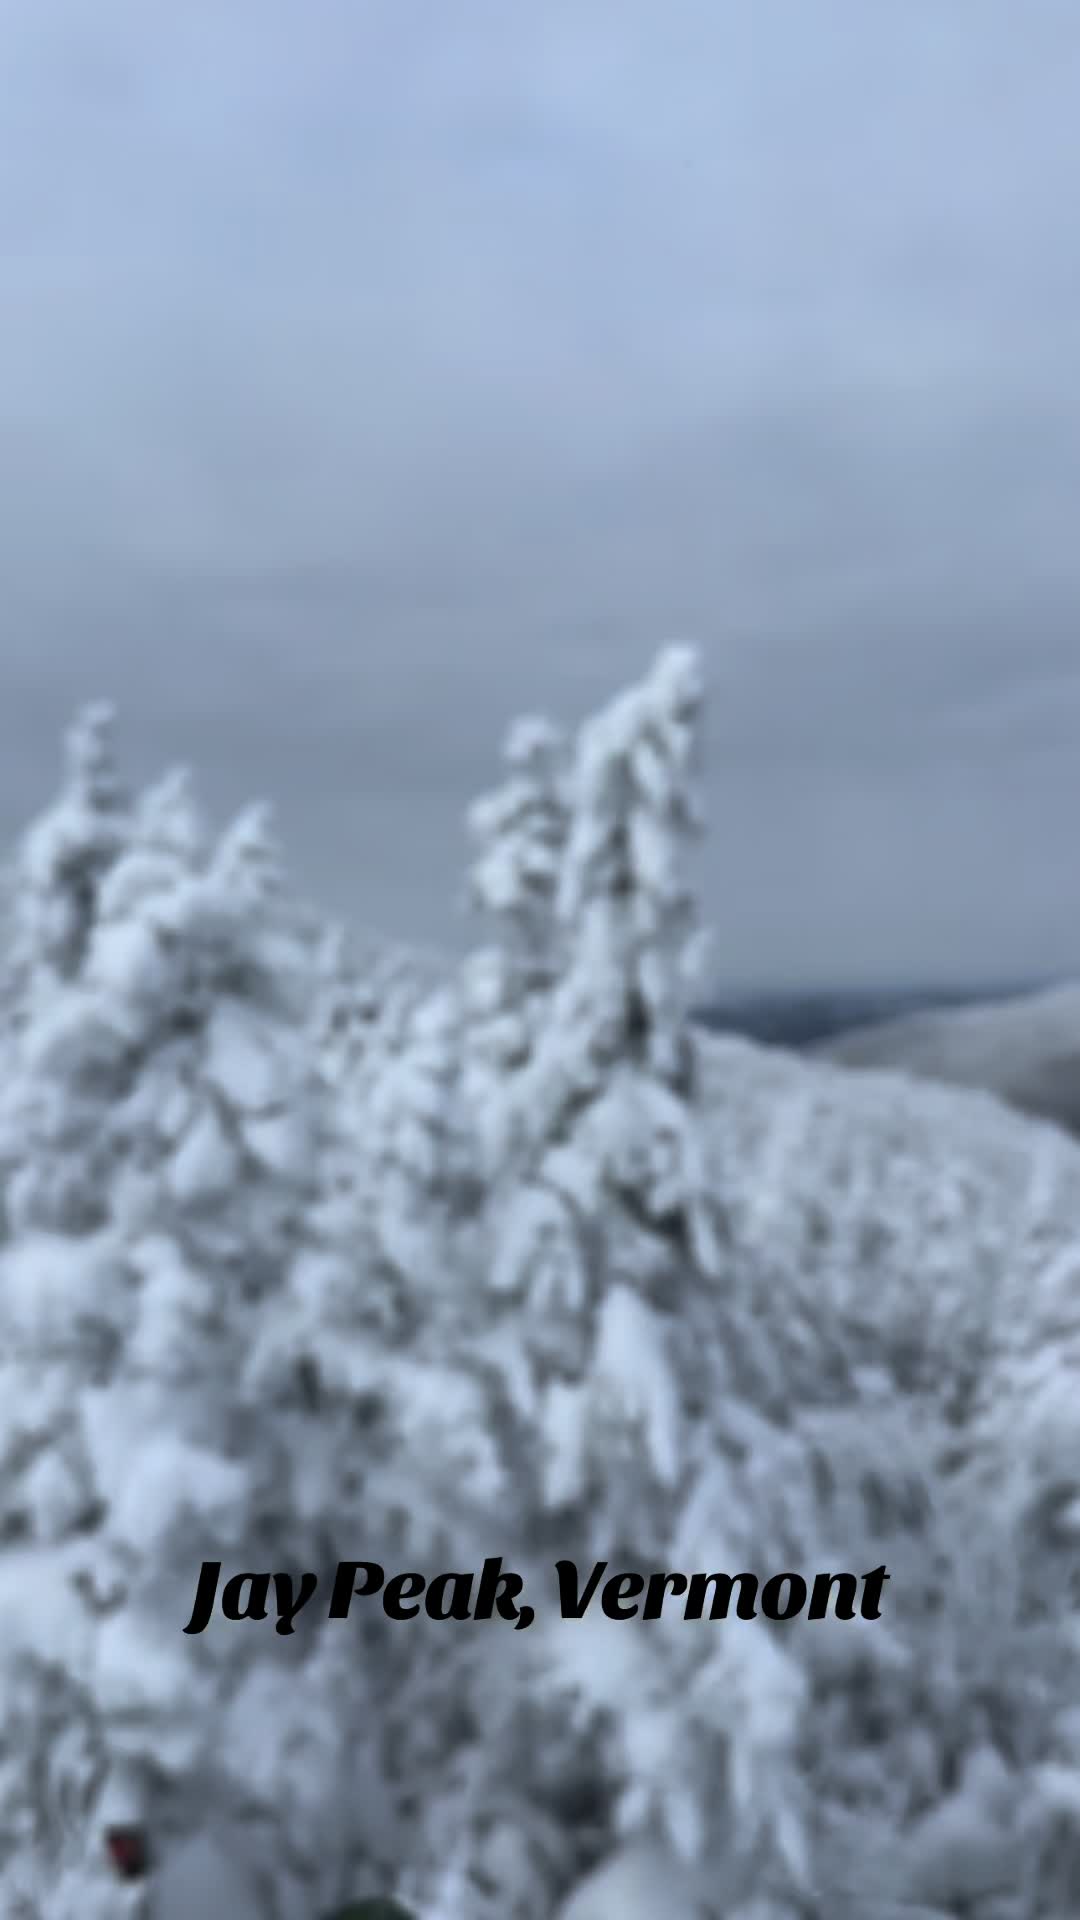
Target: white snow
{"type": "Point", "coordinates": [313, 1257]}
{"type": "Point", "coordinates": [638, 1882]}
{"type": "Point", "coordinates": [241, 1062]}
{"type": "Point", "coordinates": [201, 1876]}
{"type": "Point", "coordinates": [205, 1163]}
{"type": "Point", "coordinates": [632, 1377]}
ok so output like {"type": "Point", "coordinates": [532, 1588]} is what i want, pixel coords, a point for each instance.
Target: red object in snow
{"type": "Point", "coordinates": [127, 1850]}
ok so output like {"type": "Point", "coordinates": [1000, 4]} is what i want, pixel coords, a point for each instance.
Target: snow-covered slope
{"type": "Point", "coordinates": [927, 1221]}
{"type": "Point", "coordinates": [801, 1134]}
{"type": "Point", "coordinates": [1026, 1050]}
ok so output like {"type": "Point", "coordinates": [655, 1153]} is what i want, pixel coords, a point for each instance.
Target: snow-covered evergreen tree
{"type": "Point", "coordinates": [609, 1082]}
{"type": "Point", "coordinates": [517, 835]}
{"type": "Point", "coordinates": [345, 1008]}
{"type": "Point", "coordinates": [606, 1221]}
{"type": "Point", "coordinates": [624, 901]}
{"type": "Point", "coordinates": [600, 1263]}
{"type": "Point", "coordinates": [62, 859]}
{"type": "Point", "coordinates": [175, 1060]}
{"type": "Point", "coordinates": [55, 880]}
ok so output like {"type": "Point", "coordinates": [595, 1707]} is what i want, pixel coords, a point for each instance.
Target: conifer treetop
{"type": "Point", "coordinates": [168, 817]}
{"type": "Point", "coordinates": [249, 853]}
{"type": "Point", "coordinates": [90, 755]}
{"type": "Point", "coordinates": [517, 831]}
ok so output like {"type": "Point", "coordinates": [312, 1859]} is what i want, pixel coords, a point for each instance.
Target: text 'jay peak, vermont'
{"type": "Point", "coordinates": [495, 1591]}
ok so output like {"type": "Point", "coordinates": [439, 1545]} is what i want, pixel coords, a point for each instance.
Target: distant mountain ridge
{"type": "Point", "coordinates": [796, 1019]}
{"type": "Point", "coordinates": [1025, 1049]}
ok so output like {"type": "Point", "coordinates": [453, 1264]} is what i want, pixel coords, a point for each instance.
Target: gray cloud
{"type": "Point", "coordinates": [370, 373]}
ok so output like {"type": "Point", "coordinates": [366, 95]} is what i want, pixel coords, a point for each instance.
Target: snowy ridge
{"type": "Point", "coordinates": [818, 1153]}
{"type": "Point", "coordinates": [1023, 1048]}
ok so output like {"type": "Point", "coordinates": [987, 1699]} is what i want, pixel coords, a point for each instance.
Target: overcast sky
{"type": "Point", "coordinates": [372, 370]}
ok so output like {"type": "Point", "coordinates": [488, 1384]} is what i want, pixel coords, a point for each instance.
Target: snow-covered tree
{"type": "Point", "coordinates": [597, 1266]}
{"type": "Point", "coordinates": [170, 1089]}
{"type": "Point", "coordinates": [214, 1115]}
{"type": "Point", "coordinates": [344, 1009]}
{"type": "Point", "coordinates": [517, 834]}
{"type": "Point", "coordinates": [64, 856]}
{"type": "Point", "coordinates": [624, 900]}
{"type": "Point", "coordinates": [611, 1068]}
{"type": "Point", "coordinates": [602, 1224]}
{"type": "Point", "coordinates": [415, 1148]}
{"type": "Point", "coordinates": [167, 840]}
